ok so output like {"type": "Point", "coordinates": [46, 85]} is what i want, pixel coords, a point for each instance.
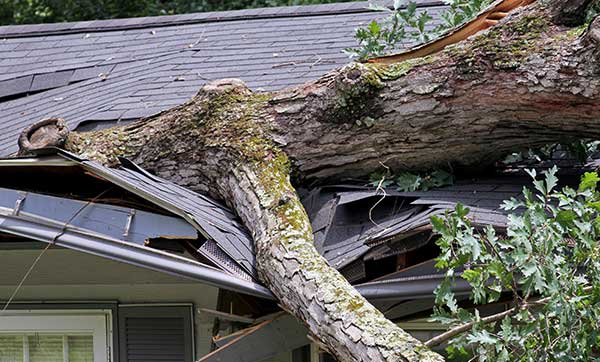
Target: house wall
{"type": "Point", "coordinates": [65, 275]}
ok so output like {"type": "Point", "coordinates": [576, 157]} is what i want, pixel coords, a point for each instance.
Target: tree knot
{"type": "Point", "coordinates": [222, 86]}
{"type": "Point", "coordinates": [50, 132]}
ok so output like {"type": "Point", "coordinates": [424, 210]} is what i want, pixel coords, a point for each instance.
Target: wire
{"type": "Point", "coordinates": [58, 235]}
{"type": "Point", "coordinates": [383, 196]}
{"type": "Point", "coordinates": [14, 293]}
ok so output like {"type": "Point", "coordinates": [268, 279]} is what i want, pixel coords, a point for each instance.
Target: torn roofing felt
{"type": "Point", "coordinates": [227, 244]}
{"type": "Point", "coordinates": [99, 73]}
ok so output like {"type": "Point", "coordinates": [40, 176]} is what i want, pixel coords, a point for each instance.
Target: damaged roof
{"type": "Point", "coordinates": [351, 224]}
{"type": "Point", "coordinates": [354, 224]}
{"type": "Point", "coordinates": [99, 73]}
{"type": "Point", "coordinates": [224, 241]}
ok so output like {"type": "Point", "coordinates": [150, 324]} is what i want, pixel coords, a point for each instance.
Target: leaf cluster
{"type": "Point", "coordinates": [406, 23]}
{"type": "Point", "coordinates": [546, 266]}
{"type": "Point", "coordinates": [580, 150]}
{"type": "Point", "coordinates": [408, 181]}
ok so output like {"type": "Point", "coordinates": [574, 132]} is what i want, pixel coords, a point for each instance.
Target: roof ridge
{"type": "Point", "coordinates": [30, 30]}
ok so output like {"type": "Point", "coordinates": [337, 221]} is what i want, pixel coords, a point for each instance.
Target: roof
{"type": "Point", "coordinates": [110, 232]}
{"type": "Point", "coordinates": [99, 73]}
{"type": "Point", "coordinates": [353, 224]}
{"type": "Point", "coordinates": [226, 242]}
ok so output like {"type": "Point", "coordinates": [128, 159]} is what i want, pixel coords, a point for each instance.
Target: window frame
{"type": "Point", "coordinates": [63, 322]}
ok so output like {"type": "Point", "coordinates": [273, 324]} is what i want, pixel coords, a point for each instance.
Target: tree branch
{"type": "Point", "coordinates": [439, 339]}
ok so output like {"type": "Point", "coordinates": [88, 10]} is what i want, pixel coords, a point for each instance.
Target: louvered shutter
{"type": "Point", "coordinates": [155, 334]}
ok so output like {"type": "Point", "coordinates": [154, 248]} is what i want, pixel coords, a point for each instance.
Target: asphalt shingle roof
{"type": "Point", "coordinates": [102, 72]}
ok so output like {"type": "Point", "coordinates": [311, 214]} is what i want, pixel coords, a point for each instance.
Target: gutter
{"type": "Point", "coordinates": [420, 287]}
{"type": "Point", "coordinates": [37, 228]}
{"type": "Point", "coordinates": [48, 231]}
{"type": "Point", "coordinates": [82, 240]}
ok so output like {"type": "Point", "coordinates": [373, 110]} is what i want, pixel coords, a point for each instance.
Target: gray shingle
{"type": "Point", "coordinates": [270, 49]}
{"type": "Point", "coordinates": [15, 86]}
{"type": "Point", "coordinates": [50, 80]}
{"type": "Point", "coordinates": [90, 72]}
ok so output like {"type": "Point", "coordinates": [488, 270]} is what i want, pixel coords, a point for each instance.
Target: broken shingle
{"type": "Point", "coordinates": [50, 80]}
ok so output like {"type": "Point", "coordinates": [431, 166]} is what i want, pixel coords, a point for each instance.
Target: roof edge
{"type": "Point", "coordinates": [49, 29]}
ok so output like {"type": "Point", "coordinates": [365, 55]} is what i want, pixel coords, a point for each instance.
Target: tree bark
{"type": "Point", "coordinates": [528, 81]}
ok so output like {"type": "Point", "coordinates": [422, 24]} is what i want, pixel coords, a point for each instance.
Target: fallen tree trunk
{"type": "Point", "coordinates": [528, 81]}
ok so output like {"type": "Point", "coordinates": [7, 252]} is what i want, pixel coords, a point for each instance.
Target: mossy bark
{"type": "Point", "coordinates": [524, 83]}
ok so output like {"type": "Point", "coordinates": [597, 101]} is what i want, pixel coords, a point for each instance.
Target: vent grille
{"type": "Point", "coordinates": [155, 339]}
{"type": "Point", "coordinates": [355, 271]}
{"type": "Point", "coordinates": [212, 252]}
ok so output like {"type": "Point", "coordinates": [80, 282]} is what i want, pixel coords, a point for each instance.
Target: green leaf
{"type": "Point", "coordinates": [540, 186]}
{"type": "Point", "coordinates": [471, 275]}
{"type": "Point", "coordinates": [482, 337]}
{"type": "Point", "coordinates": [408, 182]}
{"type": "Point", "coordinates": [511, 204]}
{"type": "Point", "coordinates": [566, 217]}
{"type": "Point", "coordinates": [473, 246]}
{"type": "Point", "coordinates": [440, 178]}
{"type": "Point", "coordinates": [594, 205]}
{"type": "Point", "coordinates": [551, 179]}
{"type": "Point", "coordinates": [461, 210]}
{"type": "Point", "coordinates": [374, 27]}
{"type": "Point", "coordinates": [382, 178]}
{"type": "Point", "coordinates": [589, 181]}
{"type": "Point", "coordinates": [439, 226]}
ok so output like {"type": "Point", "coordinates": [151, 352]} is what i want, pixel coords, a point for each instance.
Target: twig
{"type": "Point", "coordinates": [286, 64]}
{"type": "Point", "coordinates": [465, 327]}
{"type": "Point", "coordinates": [382, 189]}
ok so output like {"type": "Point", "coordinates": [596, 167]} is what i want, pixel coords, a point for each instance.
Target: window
{"type": "Point", "coordinates": [49, 336]}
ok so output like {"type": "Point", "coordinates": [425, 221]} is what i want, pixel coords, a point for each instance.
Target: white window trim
{"type": "Point", "coordinates": [95, 322]}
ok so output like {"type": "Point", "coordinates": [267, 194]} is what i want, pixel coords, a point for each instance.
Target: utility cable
{"type": "Point", "coordinates": [58, 235]}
